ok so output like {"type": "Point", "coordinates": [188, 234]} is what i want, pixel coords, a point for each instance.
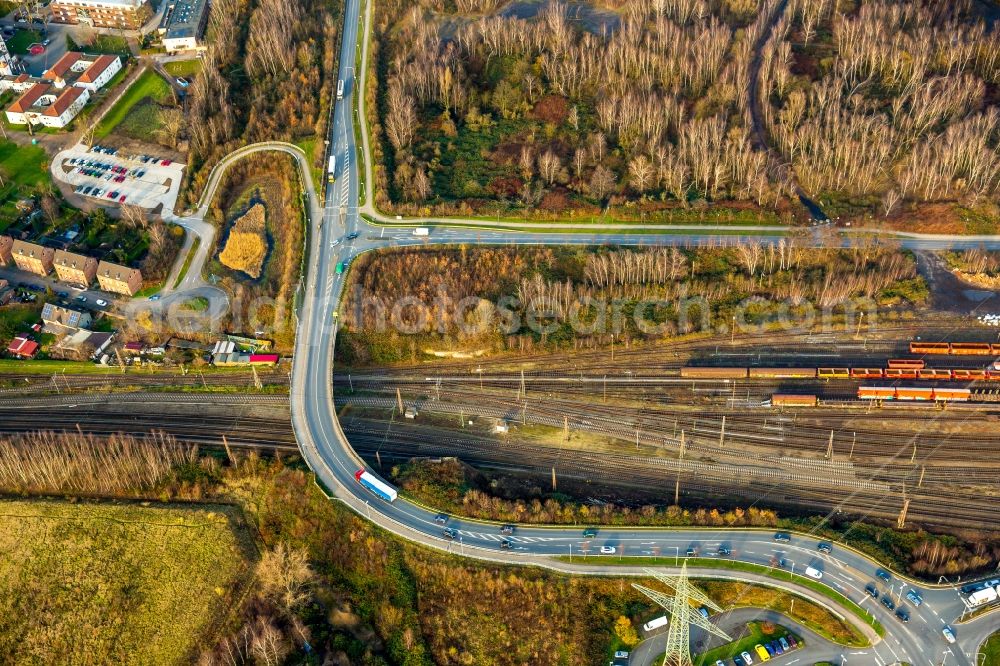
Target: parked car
{"type": "Point", "coordinates": [746, 658]}
{"type": "Point", "coordinates": [761, 652]}
{"type": "Point", "coordinates": [785, 645]}
{"type": "Point", "coordinates": [101, 303]}
{"type": "Point", "coordinates": [793, 642]}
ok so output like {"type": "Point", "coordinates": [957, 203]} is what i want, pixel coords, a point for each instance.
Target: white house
{"type": "Point", "coordinates": [43, 104]}
{"type": "Point", "coordinates": [83, 71]}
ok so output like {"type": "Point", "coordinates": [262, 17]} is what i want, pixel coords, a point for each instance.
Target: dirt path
{"type": "Point", "coordinates": [950, 294]}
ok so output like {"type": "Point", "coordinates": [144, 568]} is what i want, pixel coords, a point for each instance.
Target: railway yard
{"type": "Point", "coordinates": [710, 420]}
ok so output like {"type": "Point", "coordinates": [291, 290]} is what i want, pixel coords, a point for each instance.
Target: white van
{"type": "Point", "coordinates": [814, 573]}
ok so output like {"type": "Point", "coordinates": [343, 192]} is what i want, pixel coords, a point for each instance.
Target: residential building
{"type": "Point", "coordinates": [119, 279]}
{"type": "Point", "coordinates": [44, 104]}
{"type": "Point", "coordinates": [22, 347]}
{"type": "Point", "coordinates": [83, 71]}
{"type": "Point", "coordinates": [75, 269]}
{"type": "Point", "coordinates": [83, 344]}
{"type": "Point", "coordinates": [6, 243]}
{"type": "Point", "coordinates": [54, 99]}
{"type": "Point", "coordinates": [184, 24]}
{"type": "Point", "coordinates": [32, 258]}
{"type": "Point", "coordinates": [60, 319]}
{"type": "Point", "coordinates": [126, 14]}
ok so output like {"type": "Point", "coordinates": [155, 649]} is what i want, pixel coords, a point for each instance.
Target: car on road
{"type": "Point", "coordinates": [824, 547]}
{"type": "Point", "coordinates": [101, 303]}
{"type": "Point", "coordinates": [506, 543]}
{"type": "Point", "coordinates": [46, 42]}
{"type": "Point", "coordinates": [888, 602]}
{"type": "Point", "coordinates": [914, 597]}
{"type": "Point", "coordinates": [450, 532]}
{"type": "Point", "coordinates": [506, 529]}
{"type": "Point", "coordinates": [746, 658]}
{"type": "Point", "coordinates": [608, 550]}
{"type": "Point", "coordinates": [883, 576]}
{"type": "Point", "coordinates": [590, 533]}
{"type": "Point", "coordinates": [352, 235]}
{"type": "Point", "coordinates": [62, 294]}
{"type": "Point", "coordinates": [155, 297]}
{"type": "Point", "coordinates": [81, 298]}
{"type": "Point", "coordinates": [814, 573]}
{"type": "Point", "coordinates": [761, 652]}
{"type": "Point", "coordinates": [691, 552]}
{"type": "Point", "coordinates": [948, 633]}
{"type": "Point", "coordinates": [871, 590]}
{"type": "Point", "coordinates": [724, 551]}
{"type": "Point", "coordinates": [440, 519]}
{"type": "Point", "coordinates": [784, 537]}
{"type": "Point", "coordinates": [903, 615]}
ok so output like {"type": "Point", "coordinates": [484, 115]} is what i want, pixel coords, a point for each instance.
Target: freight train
{"type": "Point", "coordinates": [936, 394]}
{"type": "Point", "coordinates": [896, 370]}
{"type": "Point", "coordinates": [955, 348]}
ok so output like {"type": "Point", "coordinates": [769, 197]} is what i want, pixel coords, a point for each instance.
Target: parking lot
{"type": "Point", "coordinates": [108, 177]}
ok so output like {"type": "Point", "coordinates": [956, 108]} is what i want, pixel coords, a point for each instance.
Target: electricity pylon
{"type": "Point", "coordinates": [682, 614]}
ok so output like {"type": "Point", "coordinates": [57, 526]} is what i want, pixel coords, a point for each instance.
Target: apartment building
{"type": "Point", "coordinates": [32, 258]}
{"type": "Point", "coordinates": [119, 279]}
{"type": "Point", "coordinates": [126, 14]}
{"type": "Point", "coordinates": [83, 71]}
{"type": "Point", "coordinates": [184, 24]}
{"type": "Point", "coordinates": [44, 104]}
{"type": "Point", "coordinates": [75, 269]}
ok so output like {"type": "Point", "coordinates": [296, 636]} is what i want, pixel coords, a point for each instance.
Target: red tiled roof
{"type": "Point", "coordinates": [22, 347]}
{"type": "Point", "coordinates": [96, 69]}
{"type": "Point", "coordinates": [22, 77]}
{"type": "Point", "coordinates": [63, 102]}
{"type": "Point", "coordinates": [29, 97]}
{"type": "Point", "coordinates": [58, 70]}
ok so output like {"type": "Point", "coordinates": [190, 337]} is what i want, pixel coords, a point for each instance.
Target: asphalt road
{"type": "Point", "coordinates": [329, 454]}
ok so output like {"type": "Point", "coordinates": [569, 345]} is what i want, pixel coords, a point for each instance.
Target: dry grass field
{"type": "Point", "coordinates": [84, 583]}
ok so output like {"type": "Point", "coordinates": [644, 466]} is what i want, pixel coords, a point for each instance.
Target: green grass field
{"type": "Point", "coordinates": [22, 173]}
{"type": "Point", "coordinates": [22, 39]}
{"type": "Point", "coordinates": [116, 583]}
{"type": "Point", "coordinates": [991, 650]}
{"type": "Point", "coordinates": [183, 67]}
{"type": "Point", "coordinates": [149, 85]}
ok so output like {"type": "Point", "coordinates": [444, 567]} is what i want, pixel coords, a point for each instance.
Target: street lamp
{"type": "Point", "coordinates": [677, 554]}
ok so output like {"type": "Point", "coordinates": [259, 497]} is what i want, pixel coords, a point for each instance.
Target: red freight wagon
{"type": "Point", "coordinates": [907, 363]}
{"type": "Point", "coordinates": [971, 348]}
{"type": "Point", "coordinates": [929, 373]}
{"type": "Point", "coordinates": [970, 375]}
{"type": "Point", "coordinates": [900, 373]}
{"type": "Point", "coordinates": [786, 400]}
{"type": "Point", "coordinates": [929, 347]}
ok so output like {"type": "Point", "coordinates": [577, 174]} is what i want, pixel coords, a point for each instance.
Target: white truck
{"type": "Point", "coordinates": [984, 596]}
{"type": "Point", "coordinates": [421, 231]}
{"type": "Point", "coordinates": [340, 89]}
{"type": "Point", "coordinates": [331, 168]}
{"type": "Point", "coordinates": [655, 623]}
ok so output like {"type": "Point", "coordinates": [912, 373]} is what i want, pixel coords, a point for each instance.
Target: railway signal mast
{"type": "Point", "coordinates": [682, 614]}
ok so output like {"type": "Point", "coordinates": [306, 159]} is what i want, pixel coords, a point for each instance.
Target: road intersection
{"type": "Point", "coordinates": [332, 459]}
